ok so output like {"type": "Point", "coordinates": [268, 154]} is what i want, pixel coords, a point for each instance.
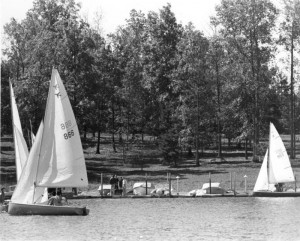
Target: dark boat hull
{"type": "Point", "coordinates": [37, 209]}
{"type": "Point", "coordinates": [275, 194]}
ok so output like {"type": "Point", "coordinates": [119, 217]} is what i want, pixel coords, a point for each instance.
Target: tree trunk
{"type": "Point", "coordinates": [113, 127]}
{"type": "Point", "coordinates": [246, 149]}
{"type": "Point", "coordinates": [98, 143]}
{"type": "Point", "coordinates": [292, 152]}
{"type": "Point", "coordinates": [197, 132]}
{"type": "Point", "coordinates": [84, 133]}
{"type": "Point", "coordinates": [219, 113]}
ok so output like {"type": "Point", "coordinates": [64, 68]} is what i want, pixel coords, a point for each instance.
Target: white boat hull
{"type": "Point", "coordinates": [38, 209]}
{"type": "Point", "coordinates": [142, 191]}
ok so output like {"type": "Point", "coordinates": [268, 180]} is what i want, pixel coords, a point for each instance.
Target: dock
{"type": "Point", "coordinates": [180, 195]}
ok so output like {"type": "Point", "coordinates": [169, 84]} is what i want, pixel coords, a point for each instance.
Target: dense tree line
{"type": "Point", "coordinates": [155, 77]}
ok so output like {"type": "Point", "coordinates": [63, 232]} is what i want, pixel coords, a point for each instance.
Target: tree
{"type": "Point", "coordinates": [290, 34]}
{"type": "Point", "coordinates": [192, 85]}
{"type": "Point", "coordinates": [247, 26]}
{"type": "Point", "coordinates": [51, 35]}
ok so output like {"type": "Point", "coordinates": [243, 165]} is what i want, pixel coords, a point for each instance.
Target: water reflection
{"type": "Point", "coordinates": [165, 219]}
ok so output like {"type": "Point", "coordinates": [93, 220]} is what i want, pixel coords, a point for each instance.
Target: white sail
{"type": "Point", "coordinates": [279, 166]}
{"type": "Point", "coordinates": [21, 149]}
{"type": "Point", "coordinates": [262, 179]}
{"type": "Point", "coordinates": [61, 161]}
{"type": "Point", "coordinates": [25, 192]}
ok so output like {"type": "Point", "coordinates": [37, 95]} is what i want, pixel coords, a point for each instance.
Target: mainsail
{"type": "Point", "coordinates": [61, 161]}
{"type": "Point", "coordinates": [21, 149]}
{"type": "Point", "coordinates": [279, 166]}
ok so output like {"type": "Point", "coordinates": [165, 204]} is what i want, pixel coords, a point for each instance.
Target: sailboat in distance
{"type": "Point", "coordinates": [275, 170]}
{"type": "Point", "coordinates": [55, 160]}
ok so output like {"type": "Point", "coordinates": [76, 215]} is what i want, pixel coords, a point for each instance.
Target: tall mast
{"type": "Point", "coordinates": [268, 161]}
{"type": "Point", "coordinates": [47, 104]}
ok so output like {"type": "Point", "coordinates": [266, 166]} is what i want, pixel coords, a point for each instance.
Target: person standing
{"type": "Point", "coordinates": [2, 199]}
{"type": "Point", "coordinates": [120, 183]}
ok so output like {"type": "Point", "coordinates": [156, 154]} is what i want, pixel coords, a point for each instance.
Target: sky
{"type": "Point", "coordinates": [114, 12]}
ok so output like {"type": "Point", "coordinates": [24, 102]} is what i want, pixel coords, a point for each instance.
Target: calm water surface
{"type": "Point", "coordinates": [165, 219]}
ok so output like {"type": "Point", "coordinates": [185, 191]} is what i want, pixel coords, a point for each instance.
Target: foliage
{"type": "Point", "coordinates": [154, 76]}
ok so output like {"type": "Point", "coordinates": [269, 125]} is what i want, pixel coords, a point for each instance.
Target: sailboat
{"type": "Point", "coordinates": [21, 149]}
{"type": "Point", "coordinates": [55, 160]}
{"type": "Point", "coordinates": [275, 169]}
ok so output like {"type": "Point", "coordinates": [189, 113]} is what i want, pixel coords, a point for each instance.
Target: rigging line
{"type": "Point", "coordinates": [268, 161]}
{"type": "Point", "coordinates": [40, 197]}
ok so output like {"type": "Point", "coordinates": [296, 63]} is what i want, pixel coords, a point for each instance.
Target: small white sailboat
{"type": "Point", "coordinates": [55, 160]}
{"type": "Point", "coordinates": [275, 169]}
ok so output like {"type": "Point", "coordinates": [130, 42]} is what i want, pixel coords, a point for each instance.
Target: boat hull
{"type": "Point", "coordinates": [140, 191]}
{"type": "Point", "coordinates": [275, 194]}
{"type": "Point", "coordinates": [37, 209]}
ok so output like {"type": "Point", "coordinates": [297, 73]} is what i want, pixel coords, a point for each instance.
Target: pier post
{"type": "Point", "coordinates": [146, 184]}
{"type": "Point", "coordinates": [295, 183]}
{"type": "Point", "coordinates": [177, 185]}
{"type": "Point", "coordinates": [209, 184]}
{"type": "Point", "coordinates": [101, 184]}
{"type": "Point", "coordinates": [245, 183]}
{"type": "Point", "coordinates": [230, 180]}
{"type": "Point", "coordinates": [170, 184]}
{"type": "Point", "coordinates": [234, 182]}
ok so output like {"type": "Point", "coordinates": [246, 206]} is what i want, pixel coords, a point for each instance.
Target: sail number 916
{"type": "Point", "coordinates": [69, 134]}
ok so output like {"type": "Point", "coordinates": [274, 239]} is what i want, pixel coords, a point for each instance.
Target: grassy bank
{"type": "Point", "coordinates": [141, 158]}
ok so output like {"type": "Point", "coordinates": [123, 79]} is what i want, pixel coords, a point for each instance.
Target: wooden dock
{"type": "Point", "coordinates": [163, 196]}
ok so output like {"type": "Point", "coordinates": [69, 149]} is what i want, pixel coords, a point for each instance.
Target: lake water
{"type": "Point", "coordinates": [240, 218]}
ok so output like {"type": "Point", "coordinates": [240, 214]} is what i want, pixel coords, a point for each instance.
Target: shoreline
{"type": "Point", "coordinates": [190, 178]}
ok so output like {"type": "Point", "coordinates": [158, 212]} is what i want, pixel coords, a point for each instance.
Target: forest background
{"type": "Point", "coordinates": [156, 80]}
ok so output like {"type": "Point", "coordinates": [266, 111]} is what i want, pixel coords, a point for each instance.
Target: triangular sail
{"type": "Point", "coordinates": [25, 192]}
{"type": "Point", "coordinates": [61, 161]}
{"type": "Point", "coordinates": [21, 149]}
{"type": "Point", "coordinates": [279, 166]}
{"type": "Point", "coordinates": [262, 179]}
